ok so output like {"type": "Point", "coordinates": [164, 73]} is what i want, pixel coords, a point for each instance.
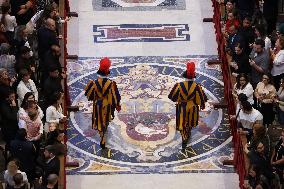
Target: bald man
{"type": "Point", "coordinates": [47, 37]}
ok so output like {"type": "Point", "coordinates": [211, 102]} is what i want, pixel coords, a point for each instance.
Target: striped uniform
{"type": "Point", "coordinates": [106, 98]}
{"type": "Point", "coordinates": [189, 98]}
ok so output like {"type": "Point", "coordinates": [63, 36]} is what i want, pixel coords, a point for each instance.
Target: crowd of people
{"type": "Point", "coordinates": [255, 53]}
{"type": "Point", "coordinates": [31, 94]}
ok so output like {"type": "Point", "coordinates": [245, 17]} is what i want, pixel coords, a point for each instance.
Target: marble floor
{"type": "Point", "coordinates": [148, 42]}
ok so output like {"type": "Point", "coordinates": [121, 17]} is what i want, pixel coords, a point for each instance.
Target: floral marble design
{"type": "Point", "coordinates": [142, 137]}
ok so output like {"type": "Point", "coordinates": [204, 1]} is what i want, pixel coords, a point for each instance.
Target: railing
{"type": "Point", "coordinates": [239, 161]}
{"type": "Point", "coordinates": [63, 9]}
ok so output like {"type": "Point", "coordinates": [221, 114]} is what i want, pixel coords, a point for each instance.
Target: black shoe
{"type": "Point", "coordinates": [103, 146]}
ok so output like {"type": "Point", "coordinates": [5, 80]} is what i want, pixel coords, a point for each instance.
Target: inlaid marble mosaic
{"type": "Point", "coordinates": [138, 5]}
{"type": "Point", "coordinates": [141, 33]}
{"type": "Point", "coordinates": [142, 137]}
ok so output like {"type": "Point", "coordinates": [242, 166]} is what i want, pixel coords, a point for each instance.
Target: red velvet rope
{"type": "Point", "coordinates": [67, 96]}
{"type": "Point", "coordinates": [238, 148]}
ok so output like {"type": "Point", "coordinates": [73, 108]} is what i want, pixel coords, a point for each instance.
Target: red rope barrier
{"type": "Point", "coordinates": [239, 161]}
{"type": "Point", "coordinates": [67, 96]}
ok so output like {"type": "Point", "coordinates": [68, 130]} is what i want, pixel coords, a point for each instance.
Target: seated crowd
{"type": "Point", "coordinates": [31, 93]}
{"type": "Point", "coordinates": [255, 53]}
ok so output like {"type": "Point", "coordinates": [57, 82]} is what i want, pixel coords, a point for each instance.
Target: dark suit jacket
{"type": "Point", "coordinates": [46, 38]}
{"type": "Point", "coordinates": [9, 120]}
{"type": "Point", "coordinates": [233, 40]}
{"type": "Point", "coordinates": [52, 167]}
{"type": "Point", "coordinates": [24, 151]}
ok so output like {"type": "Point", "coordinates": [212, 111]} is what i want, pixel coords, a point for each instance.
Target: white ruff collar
{"type": "Point", "coordinates": [101, 76]}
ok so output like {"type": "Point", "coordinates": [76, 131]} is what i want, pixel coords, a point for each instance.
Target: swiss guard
{"type": "Point", "coordinates": [106, 99]}
{"type": "Point", "coordinates": [189, 98]}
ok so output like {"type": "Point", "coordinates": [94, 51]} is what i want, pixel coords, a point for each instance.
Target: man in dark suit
{"type": "Point", "coordinates": [50, 164]}
{"type": "Point", "coordinates": [52, 84]}
{"type": "Point", "coordinates": [51, 59]}
{"type": "Point", "coordinates": [47, 37]}
{"type": "Point", "coordinates": [9, 122]}
{"type": "Point", "coordinates": [25, 152]}
{"type": "Point", "coordinates": [233, 39]}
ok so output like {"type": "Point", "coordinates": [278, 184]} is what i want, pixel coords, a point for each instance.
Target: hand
{"type": "Point", "coordinates": [60, 37]}
{"type": "Point", "coordinates": [64, 75]}
{"type": "Point", "coordinates": [22, 6]}
{"type": "Point", "coordinates": [13, 103]}
{"type": "Point", "coordinates": [232, 116]}
{"type": "Point", "coordinates": [22, 11]}
{"type": "Point", "coordinates": [247, 145]}
{"type": "Point", "coordinates": [234, 74]}
{"type": "Point", "coordinates": [67, 19]}
{"type": "Point", "coordinates": [273, 163]}
{"type": "Point", "coordinates": [251, 62]}
{"type": "Point", "coordinates": [32, 69]}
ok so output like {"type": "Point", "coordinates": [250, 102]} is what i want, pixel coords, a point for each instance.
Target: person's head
{"type": "Point", "coordinates": [267, 78]}
{"type": "Point", "coordinates": [104, 69]}
{"type": "Point", "coordinates": [259, 131]}
{"type": "Point", "coordinates": [239, 48]}
{"type": "Point", "coordinates": [18, 179]}
{"type": "Point", "coordinates": [242, 97]}
{"type": "Point", "coordinates": [260, 31]}
{"type": "Point", "coordinates": [4, 49]}
{"type": "Point", "coordinates": [5, 8]}
{"type": "Point", "coordinates": [230, 6]}
{"type": "Point", "coordinates": [56, 50]}
{"type": "Point", "coordinates": [29, 96]}
{"type": "Point", "coordinates": [260, 147]}
{"type": "Point", "coordinates": [49, 12]}
{"type": "Point", "coordinates": [30, 106]}
{"type": "Point", "coordinates": [49, 151]}
{"type": "Point", "coordinates": [280, 43]}
{"type": "Point", "coordinates": [21, 134]}
{"type": "Point", "coordinates": [246, 22]}
{"type": "Point", "coordinates": [3, 74]}
{"type": "Point", "coordinates": [56, 98]}
{"type": "Point", "coordinates": [10, 95]}
{"type": "Point", "coordinates": [25, 52]}
{"type": "Point", "coordinates": [21, 33]}
{"type": "Point", "coordinates": [246, 107]}
{"type": "Point", "coordinates": [242, 80]}
{"type": "Point", "coordinates": [231, 16]}
{"type": "Point", "coordinates": [51, 127]}
{"type": "Point", "coordinates": [53, 72]}
{"type": "Point", "coordinates": [259, 45]}
{"type": "Point", "coordinates": [232, 30]}
{"type": "Point", "coordinates": [33, 114]}
{"type": "Point", "coordinates": [50, 24]}
{"type": "Point", "coordinates": [56, 135]}
{"type": "Point", "coordinates": [52, 179]}
{"type": "Point", "coordinates": [12, 167]}
{"type": "Point", "coordinates": [25, 75]}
